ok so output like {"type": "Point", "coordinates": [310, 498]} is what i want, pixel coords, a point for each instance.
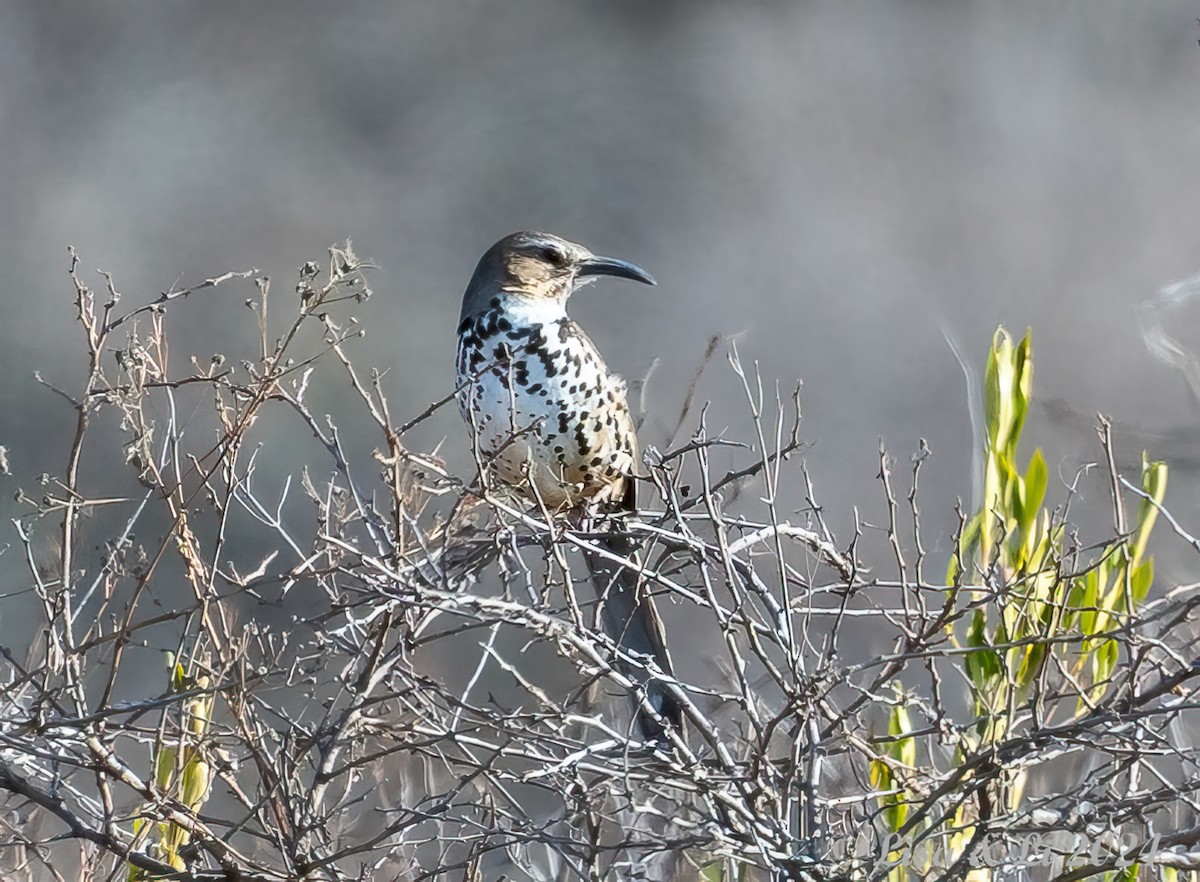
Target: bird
{"type": "Point", "coordinates": [552, 422]}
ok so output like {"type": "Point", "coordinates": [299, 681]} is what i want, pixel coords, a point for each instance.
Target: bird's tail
{"type": "Point", "coordinates": [630, 617]}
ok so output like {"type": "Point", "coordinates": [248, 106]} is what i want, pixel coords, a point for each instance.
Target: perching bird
{"type": "Point", "coordinates": [552, 421]}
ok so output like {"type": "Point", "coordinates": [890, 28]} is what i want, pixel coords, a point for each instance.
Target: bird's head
{"type": "Point", "coordinates": [540, 266]}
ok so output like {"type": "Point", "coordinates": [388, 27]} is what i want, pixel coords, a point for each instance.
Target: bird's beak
{"type": "Point", "coordinates": [610, 266]}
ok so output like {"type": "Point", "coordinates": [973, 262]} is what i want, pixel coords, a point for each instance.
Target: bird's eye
{"type": "Point", "coordinates": [554, 255]}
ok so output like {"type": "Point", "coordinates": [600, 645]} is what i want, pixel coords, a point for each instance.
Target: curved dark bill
{"type": "Point", "coordinates": [610, 266]}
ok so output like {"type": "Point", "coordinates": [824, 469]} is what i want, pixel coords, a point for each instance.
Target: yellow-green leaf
{"type": "Point", "coordinates": [1154, 484]}
{"type": "Point", "coordinates": [1140, 579]}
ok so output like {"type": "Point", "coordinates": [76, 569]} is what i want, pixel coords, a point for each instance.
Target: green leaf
{"type": "Point", "coordinates": [903, 749]}
{"type": "Point", "coordinates": [1036, 478]}
{"type": "Point", "coordinates": [1088, 602]}
{"type": "Point", "coordinates": [1104, 661]}
{"type": "Point", "coordinates": [1030, 665]}
{"type": "Point", "coordinates": [196, 778]}
{"type": "Point", "coordinates": [164, 768]}
{"type": "Point", "coordinates": [1022, 387]}
{"type": "Point", "coordinates": [968, 545]}
{"type": "Point", "coordinates": [1140, 579]}
{"type": "Point", "coordinates": [983, 665]}
{"type": "Point", "coordinates": [994, 382]}
{"type": "Point", "coordinates": [880, 775]}
{"type": "Point", "coordinates": [1154, 484]}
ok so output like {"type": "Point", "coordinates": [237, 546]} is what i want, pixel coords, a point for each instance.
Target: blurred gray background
{"type": "Point", "coordinates": [834, 184]}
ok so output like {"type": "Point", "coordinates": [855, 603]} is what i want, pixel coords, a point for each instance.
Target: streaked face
{"type": "Point", "coordinates": [540, 265]}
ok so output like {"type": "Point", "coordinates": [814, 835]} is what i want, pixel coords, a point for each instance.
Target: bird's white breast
{"type": "Point", "coordinates": [541, 402]}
